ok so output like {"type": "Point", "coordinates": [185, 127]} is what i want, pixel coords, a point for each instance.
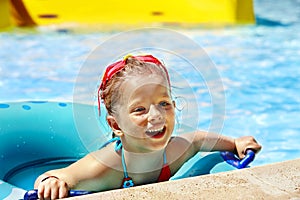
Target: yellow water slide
{"type": "Point", "coordinates": [129, 12]}
{"type": "Point", "coordinates": [4, 14]}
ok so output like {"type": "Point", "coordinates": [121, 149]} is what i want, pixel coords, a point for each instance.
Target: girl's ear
{"type": "Point", "coordinates": [114, 125]}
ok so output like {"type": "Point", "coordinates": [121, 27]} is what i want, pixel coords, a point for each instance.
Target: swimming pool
{"type": "Point", "coordinates": [258, 65]}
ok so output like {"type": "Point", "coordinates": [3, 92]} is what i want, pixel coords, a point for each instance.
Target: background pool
{"type": "Point", "coordinates": [259, 66]}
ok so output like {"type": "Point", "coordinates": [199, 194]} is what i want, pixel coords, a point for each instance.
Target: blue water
{"type": "Point", "coordinates": [258, 65]}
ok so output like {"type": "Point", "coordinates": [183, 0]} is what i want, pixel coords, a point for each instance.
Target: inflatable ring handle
{"type": "Point", "coordinates": [33, 194]}
{"type": "Point", "coordinates": [233, 160]}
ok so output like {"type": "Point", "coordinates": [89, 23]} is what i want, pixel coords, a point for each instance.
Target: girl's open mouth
{"type": "Point", "coordinates": [156, 133]}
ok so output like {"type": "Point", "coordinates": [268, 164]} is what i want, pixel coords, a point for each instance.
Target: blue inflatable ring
{"type": "Point", "coordinates": [37, 136]}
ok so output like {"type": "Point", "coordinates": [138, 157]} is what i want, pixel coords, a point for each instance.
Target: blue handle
{"type": "Point", "coordinates": [33, 194]}
{"type": "Point", "coordinates": [233, 160]}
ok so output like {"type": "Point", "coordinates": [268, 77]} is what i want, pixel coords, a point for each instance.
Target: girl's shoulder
{"type": "Point", "coordinates": [98, 171]}
{"type": "Point", "coordinates": [107, 156]}
{"type": "Point", "coordinates": [178, 151]}
{"type": "Point", "coordinates": [180, 141]}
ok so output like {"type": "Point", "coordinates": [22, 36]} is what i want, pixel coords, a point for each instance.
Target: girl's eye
{"type": "Point", "coordinates": [164, 103]}
{"type": "Point", "coordinates": [139, 109]}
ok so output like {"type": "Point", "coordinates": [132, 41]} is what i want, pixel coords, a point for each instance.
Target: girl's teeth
{"type": "Point", "coordinates": [153, 131]}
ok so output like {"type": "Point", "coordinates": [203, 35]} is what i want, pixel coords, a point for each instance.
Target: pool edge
{"type": "Point", "coordinates": [273, 181]}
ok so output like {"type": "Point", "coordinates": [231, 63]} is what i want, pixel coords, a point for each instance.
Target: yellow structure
{"type": "Point", "coordinates": [129, 12]}
{"type": "Point", "coordinates": [4, 14]}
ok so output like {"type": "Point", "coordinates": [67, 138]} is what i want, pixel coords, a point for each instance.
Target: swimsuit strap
{"type": "Point", "coordinates": [165, 158]}
{"type": "Point", "coordinates": [112, 140]}
{"type": "Point", "coordinates": [164, 175]}
{"type": "Point", "coordinates": [127, 181]}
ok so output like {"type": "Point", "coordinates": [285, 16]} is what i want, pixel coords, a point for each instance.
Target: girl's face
{"type": "Point", "coordinates": [146, 114]}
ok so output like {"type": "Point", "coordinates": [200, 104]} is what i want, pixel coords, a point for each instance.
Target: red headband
{"type": "Point", "coordinates": [114, 68]}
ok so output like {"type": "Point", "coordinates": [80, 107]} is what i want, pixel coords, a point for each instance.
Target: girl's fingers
{"type": "Point", "coordinates": [252, 144]}
{"type": "Point", "coordinates": [54, 192]}
{"type": "Point", "coordinates": [41, 190]}
{"type": "Point", "coordinates": [63, 190]}
{"type": "Point", "coordinates": [52, 189]}
{"type": "Point", "coordinates": [244, 143]}
{"type": "Point", "coordinates": [47, 193]}
{"type": "Point", "coordinates": [255, 147]}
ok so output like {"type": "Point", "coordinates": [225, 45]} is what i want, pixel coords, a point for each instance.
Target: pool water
{"type": "Point", "coordinates": [258, 65]}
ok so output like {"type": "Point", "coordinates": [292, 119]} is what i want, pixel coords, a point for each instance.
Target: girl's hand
{"type": "Point", "coordinates": [52, 188]}
{"type": "Point", "coordinates": [244, 143]}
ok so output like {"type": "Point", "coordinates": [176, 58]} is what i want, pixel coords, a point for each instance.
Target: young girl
{"type": "Point", "coordinates": [141, 113]}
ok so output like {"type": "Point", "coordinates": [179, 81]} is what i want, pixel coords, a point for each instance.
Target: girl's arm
{"type": "Point", "coordinates": [205, 141]}
{"type": "Point", "coordinates": [87, 173]}
{"type": "Point", "coordinates": [55, 184]}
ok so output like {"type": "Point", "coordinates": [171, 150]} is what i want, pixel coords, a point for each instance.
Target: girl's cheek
{"type": "Point", "coordinates": [139, 118]}
{"type": "Point", "coordinates": [171, 113]}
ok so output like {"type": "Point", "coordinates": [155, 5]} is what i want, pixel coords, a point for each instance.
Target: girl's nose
{"type": "Point", "coordinates": [156, 114]}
